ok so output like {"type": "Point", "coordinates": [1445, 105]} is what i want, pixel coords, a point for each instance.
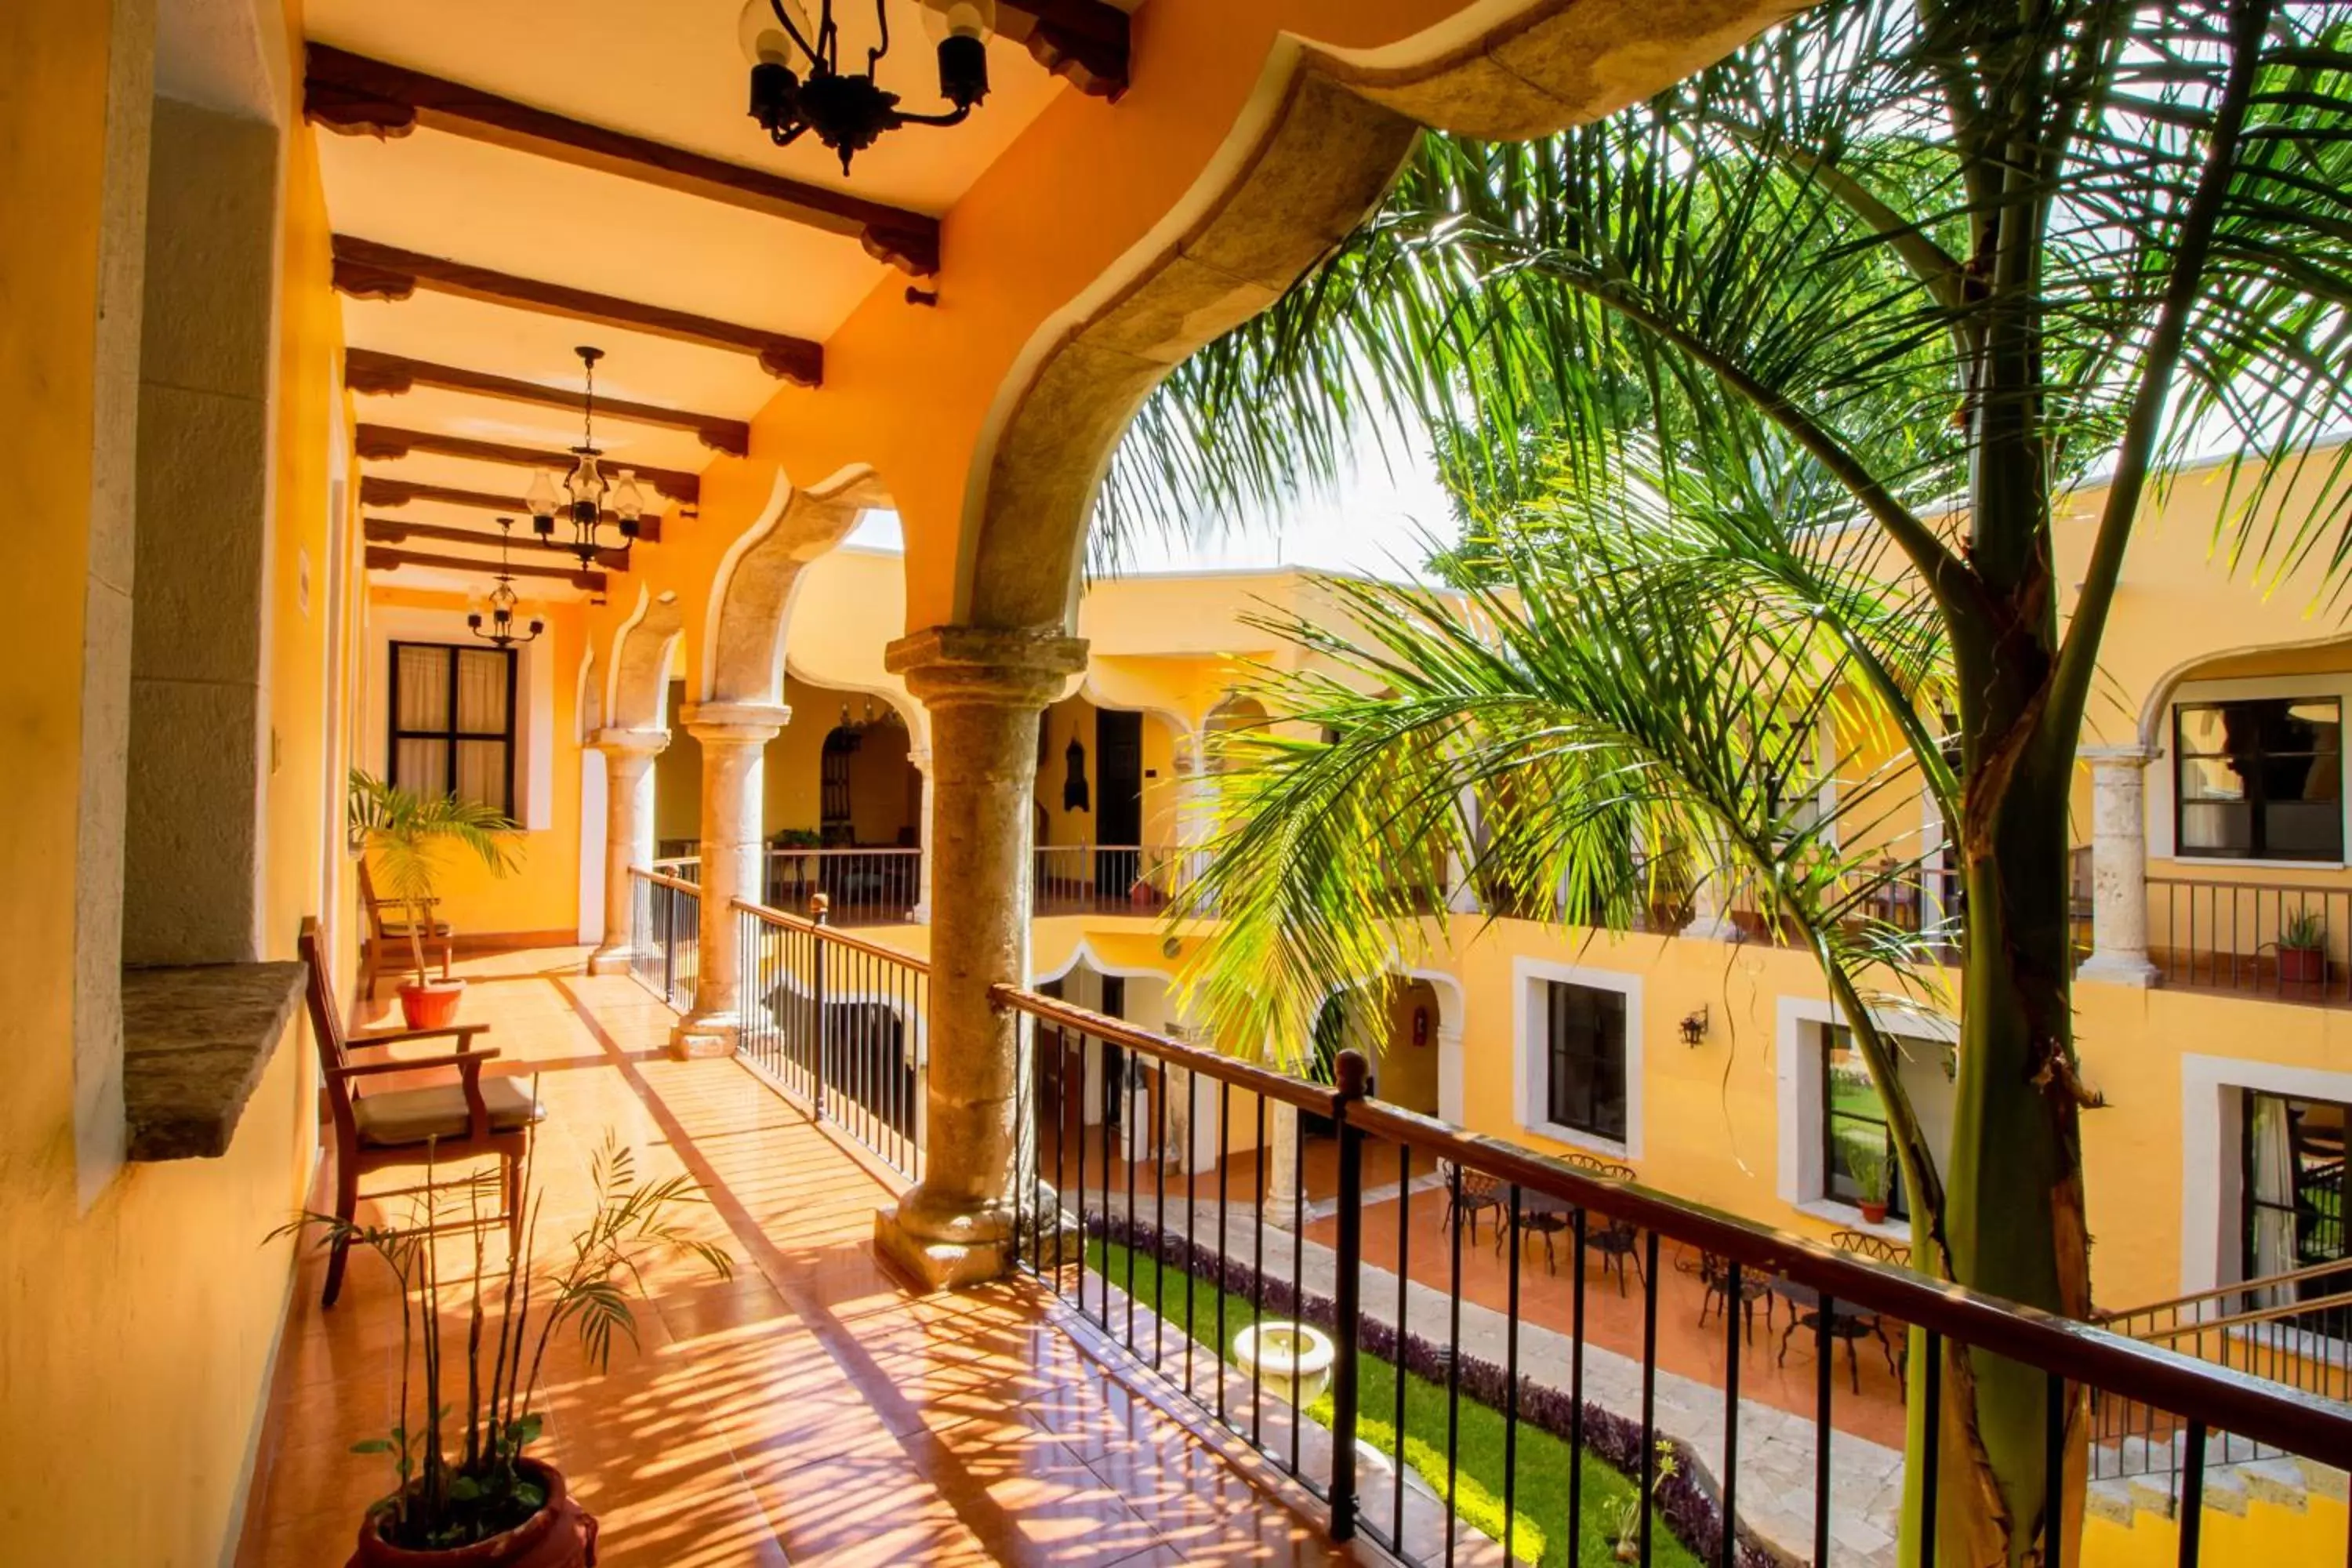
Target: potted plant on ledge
{"type": "Point", "coordinates": [404, 834]}
{"type": "Point", "coordinates": [466, 1494]}
{"type": "Point", "coordinates": [1868, 1168]}
{"type": "Point", "coordinates": [2302, 949]}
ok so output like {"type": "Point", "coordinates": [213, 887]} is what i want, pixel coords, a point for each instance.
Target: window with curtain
{"type": "Point", "coordinates": [2294, 1187]}
{"type": "Point", "coordinates": [2260, 780]}
{"type": "Point", "coordinates": [1585, 1058]}
{"type": "Point", "coordinates": [452, 722]}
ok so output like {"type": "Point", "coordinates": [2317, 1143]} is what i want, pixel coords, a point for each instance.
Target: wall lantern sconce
{"type": "Point", "coordinates": [798, 87]}
{"type": "Point", "coordinates": [1694, 1027]}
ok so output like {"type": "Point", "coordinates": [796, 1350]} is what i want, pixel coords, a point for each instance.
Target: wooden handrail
{"type": "Point", "coordinates": [2244, 1286]}
{"type": "Point", "coordinates": [1322, 1099]}
{"type": "Point", "coordinates": [776, 917]}
{"type": "Point", "coordinates": [663, 880]}
{"type": "Point", "coordinates": [2245, 1319]}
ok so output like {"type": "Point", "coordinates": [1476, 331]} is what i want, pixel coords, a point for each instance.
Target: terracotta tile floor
{"type": "Point", "coordinates": [806, 1410]}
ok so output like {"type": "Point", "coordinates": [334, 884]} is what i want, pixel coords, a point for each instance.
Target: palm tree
{"type": "Point", "coordinates": [1918, 266]}
{"type": "Point", "coordinates": [406, 832]}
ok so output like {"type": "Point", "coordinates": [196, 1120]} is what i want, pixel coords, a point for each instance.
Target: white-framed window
{"type": "Point", "coordinates": [2250, 771]}
{"type": "Point", "coordinates": [1579, 1068]}
{"type": "Point", "coordinates": [1829, 1108]}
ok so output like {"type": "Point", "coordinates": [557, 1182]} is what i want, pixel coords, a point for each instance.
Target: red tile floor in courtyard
{"type": "Point", "coordinates": [808, 1410]}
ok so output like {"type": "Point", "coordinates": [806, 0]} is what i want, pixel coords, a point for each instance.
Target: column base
{"type": "Point", "coordinates": [2117, 968]}
{"type": "Point", "coordinates": [1712, 928]}
{"type": "Point", "coordinates": [934, 1263]}
{"type": "Point", "coordinates": [612, 960]}
{"type": "Point", "coordinates": [920, 915]}
{"type": "Point", "coordinates": [699, 1039]}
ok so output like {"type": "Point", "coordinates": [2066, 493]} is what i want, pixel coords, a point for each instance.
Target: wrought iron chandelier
{"type": "Point", "coordinates": [798, 87]}
{"type": "Point", "coordinates": [581, 497]}
{"type": "Point", "coordinates": [504, 601]}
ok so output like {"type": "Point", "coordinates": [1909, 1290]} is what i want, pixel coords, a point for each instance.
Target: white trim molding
{"type": "Point", "coordinates": [1803, 1181]}
{"type": "Point", "coordinates": [1530, 1046]}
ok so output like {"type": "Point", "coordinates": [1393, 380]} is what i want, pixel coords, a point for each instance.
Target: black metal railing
{"type": "Point", "coordinates": [1087, 878]}
{"type": "Point", "coordinates": [839, 1025]}
{"type": "Point", "coordinates": [665, 927]}
{"type": "Point", "coordinates": [2284, 941]}
{"type": "Point", "coordinates": [1162, 1192]}
{"type": "Point", "coordinates": [863, 886]}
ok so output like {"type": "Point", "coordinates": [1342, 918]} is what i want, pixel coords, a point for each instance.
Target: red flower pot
{"type": "Point", "coordinates": [2302, 965]}
{"type": "Point", "coordinates": [1872, 1214]}
{"type": "Point", "coordinates": [561, 1535]}
{"type": "Point", "coordinates": [431, 1003]}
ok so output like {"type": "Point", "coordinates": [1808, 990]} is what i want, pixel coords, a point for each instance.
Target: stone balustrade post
{"type": "Point", "coordinates": [734, 738]}
{"type": "Point", "coordinates": [985, 689]}
{"type": "Point", "coordinates": [2118, 867]}
{"type": "Point", "coordinates": [628, 835]}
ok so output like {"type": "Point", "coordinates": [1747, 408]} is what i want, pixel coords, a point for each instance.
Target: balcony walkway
{"type": "Point", "coordinates": [809, 1410]}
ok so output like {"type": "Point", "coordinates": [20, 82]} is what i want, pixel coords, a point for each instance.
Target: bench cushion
{"type": "Point", "coordinates": [406, 1116]}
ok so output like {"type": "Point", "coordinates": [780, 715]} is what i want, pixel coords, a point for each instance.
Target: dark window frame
{"type": "Point", "coordinates": [1561, 1048]}
{"type": "Point", "coordinates": [1838, 1186]}
{"type": "Point", "coordinates": [2258, 845]}
{"type": "Point", "coordinates": [451, 736]}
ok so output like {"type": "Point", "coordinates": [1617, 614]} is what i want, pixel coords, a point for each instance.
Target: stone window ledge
{"type": "Point", "coordinates": [195, 1041]}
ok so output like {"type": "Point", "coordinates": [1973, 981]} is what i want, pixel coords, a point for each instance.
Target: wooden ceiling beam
{"type": "Point", "coordinates": [377, 490]}
{"type": "Point", "coordinates": [375, 375]}
{"type": "Point", "coordinates": [361, 97]}
{"type": "Point", "coordinates": [366, 271]}
{"type": "Point", "coordinates": [392, 531]}
{"type": "Point", "coordinates": [1083, 42]}
{"type": "Point", "coordinates": [388, 443]}
{"type": "Point", "coordinates": [382, 558]}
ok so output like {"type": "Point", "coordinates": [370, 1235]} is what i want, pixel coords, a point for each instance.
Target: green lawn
{"type": "Point", "coordinates": [1541, 1499]}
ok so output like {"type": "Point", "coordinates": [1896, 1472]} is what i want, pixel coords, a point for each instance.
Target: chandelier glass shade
{"type": "Point", "coordinates": [799, 88]}
{"type": "Point", "coordinates": [504, 603]}
{"type": "Point", "coordinates": [581, 500]}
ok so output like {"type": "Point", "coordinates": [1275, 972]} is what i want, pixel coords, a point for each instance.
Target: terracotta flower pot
{"type": "Point", "coordinates": [561, 1535]}
{"type": "Point", "coordinates": [2302, 965]}
{"type": "Point", "coordinates": [1874, 1214]}
{"type": "Point", "coordinates": [431, 1004]}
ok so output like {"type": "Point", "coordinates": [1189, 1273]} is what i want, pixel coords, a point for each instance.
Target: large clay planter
{"type": "Point", "coordinates": [561, 1535]}
{"type": "Point", "coordinates": [431, 1004]}
{"type": "Point", "coordinates": [2302, 965]}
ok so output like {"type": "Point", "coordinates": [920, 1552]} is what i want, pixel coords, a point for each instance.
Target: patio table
{"type": "Point", "coordinates": [1847, 1321]}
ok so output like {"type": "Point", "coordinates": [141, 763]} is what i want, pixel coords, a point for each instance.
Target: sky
{"type": "Point", "coordinates": [1373, 524]}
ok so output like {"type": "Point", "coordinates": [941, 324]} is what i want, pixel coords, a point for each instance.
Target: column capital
{"type": "Point", "coordinates": [919, 759]}
{"type": "Point", "coordinates": [750, 723]}
{"type": "Point", "coordinates": [986, 667]}
{"type": "Point", "coordinates": [2131, 756]}
{"type": "Point", "coordinates": [629, 743]}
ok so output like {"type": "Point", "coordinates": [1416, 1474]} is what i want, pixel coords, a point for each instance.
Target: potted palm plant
{"type": "Point", "coordinates": [2302, 949]}
{"type": "Point", "coordinates": [1868, 1165]}
{"type": "Point", "coordinates": [404, 834]}
{"type": "Point", "coordinates": [466, 1494]}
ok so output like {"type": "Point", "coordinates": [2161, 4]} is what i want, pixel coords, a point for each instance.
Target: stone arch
{"type": "Point", "coordinates": [752, 594]}
{"type": "Point", "coordinates": [1320, 141]}
{"type": "Point", "coordinates": [587, 699]}
{"type": "Point", "coordinates": [2150, 727]}
{"type": "Point", "coordinates": [637, 687]}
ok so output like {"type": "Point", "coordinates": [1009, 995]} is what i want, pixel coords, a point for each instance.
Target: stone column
{"type": "Point", "coordinates": [985, 689]}
{"type": "Point", "coordinates": [2118, 867]}
{"type": "Point", "coordinates": [734, 737]}
{"type": "Point", "coordinates": [628, 834]}
{"type": "Point", "coordinates": [1279, 1159]}
{"type": "Point", "coordinates": [1453, 1079]}
{"type": "Point", "coordinates": [919, 758]}
{"type": "Point", "coordinates": [1460, 896]}
{"type": "Point", "coordinates": [1196, 794]}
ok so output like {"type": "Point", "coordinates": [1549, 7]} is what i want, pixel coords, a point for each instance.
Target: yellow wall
{"type": "Point", "coordinates": [541, 898]}
{"type": "Point", "coordinates": [2267, 1533]}
{"type": "Point", "coordinates": [136, 1332]}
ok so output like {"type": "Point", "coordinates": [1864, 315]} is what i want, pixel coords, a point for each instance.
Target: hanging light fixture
{"type": "Point", "coordinates": [798, 86]}
{"type": "Point", "coordinates": [581, 497]}
{"type": "Point", "coordinates": [504, 601]}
